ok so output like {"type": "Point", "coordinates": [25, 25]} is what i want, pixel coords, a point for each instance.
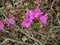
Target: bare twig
{"type": "Point", "coordinates": [8, 39]}
{"type": "Point", "coordinates": [58, 18]}
{"type": "Point", "coordinates": [52, 6]}
{"type": "Point", "coordinates": [56, 26]}
{"type": "Point", "coordinates": [44, 7]}
{"type": "Point", "coordinates": [53, 11]}
{"type": "Point", "coordinates": [46, 39]}
{"type": "Point", "coordinates": [36, 43]}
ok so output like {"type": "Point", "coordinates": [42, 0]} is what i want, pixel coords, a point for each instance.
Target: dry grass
{"type": "Point", "coordinates": [37, 34]}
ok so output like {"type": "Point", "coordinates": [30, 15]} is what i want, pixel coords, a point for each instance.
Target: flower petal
{"type": "Point", "coordinates": [1, 25]}
{"type": "Point", "coordinates": [44, 18]}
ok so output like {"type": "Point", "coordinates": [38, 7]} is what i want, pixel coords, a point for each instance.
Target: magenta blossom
{"type": "Point", "coordinates": [34, 13]}
{"type": "Point", "coordinates": [10, 15]}
{"type": "Point", "coordinates": [29, 13]}
{"type": "Point", "coordinates": [44, 18]}
{"type": "Point", "coordinates": [37, 12]}
{"type": "Point", "coordinates": [26, 22]}
{"type": "Point", "coordinates": [9, 21]}
{"type": "Point", "coordinates": [1, 25]}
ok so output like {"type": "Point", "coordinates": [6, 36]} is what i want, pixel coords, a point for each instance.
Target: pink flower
{"type": "Point", "coordinates": [44, 18]}
{"type": "Point", "coordinates": [1, 25]}
{"type": "Point", "coordinates": [9, 21]}
{"type": "Point", "coordinates": [29, 13]}
{"type": "Point", "coordinates": [33, 13]}
{"type": "Point", "coordinates": [10, 15]}
{"type": "Point", "coordinates": [37, 12]}
{"type": "Point", "coordinates": [26, 22]}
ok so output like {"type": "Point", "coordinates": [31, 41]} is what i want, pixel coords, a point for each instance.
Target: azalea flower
{"type": "Point", "coordinates": [9, 21]}
{"type": "Point", "coordinates": [26, 22]}
{"type": "Point", "coordinates": [1, 25]}
{"type": "Point", "coordinates": [44, 18]}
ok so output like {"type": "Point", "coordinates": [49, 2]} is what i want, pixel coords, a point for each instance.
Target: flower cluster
{"type": "Point", "coordinates": [8, 21]}
{"type": "Point", "coordinates": [32, 14]}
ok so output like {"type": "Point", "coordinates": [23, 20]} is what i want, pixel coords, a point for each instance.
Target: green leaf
{"type": "Point", "coordinates": [35, 26]}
